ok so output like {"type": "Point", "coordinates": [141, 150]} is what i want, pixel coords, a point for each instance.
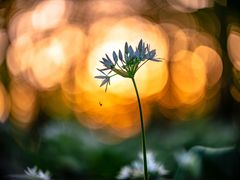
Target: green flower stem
{"type": "Point", "coordinates": [143, 131]}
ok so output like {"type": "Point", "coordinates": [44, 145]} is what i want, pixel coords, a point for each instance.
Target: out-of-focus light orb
{"type": "Point", "coordinates": [23, 103]}
{"type": "Point", "coordinates": [233, 46]}
{"type": "Point", "coordinates": [45, 62]}
{"type": "Point", "coordinates": [177, 38]}
{"type": "Point", "coordinates": [3, 44]}
{"type": "Point", "coordinates": [116, 110]}
{"type": "Point", "coordinates": [48, 66]}
{"type": "Point", "coordinates": [188, 72]}
{"type": "Point", "coordinates": [49, 14]}
{"type": "Point", "coordinates": [193, 87]}
{"type": "Point", "coordinates": [132, 30]}
{"type": "Point", "coordinates": [101, 8]}
{"type": "Point", "coordinates": [73, 41]}
{"type": "Point", "coordinates": [119, 121]}
{"type": "Point", "coordinates": [169, 100]}
{"type": "Point", "coordinates": [235, 93]}
{"type": "Point", "coordinates": [200, 38]}
{"type": "Point", "coordinates": [190, 6]}
{"type": "Point", "coordinates": [55, 55]}
{"type": "Point", "coordinates": [18, 54]}
{"type": "Point", "coordinates": [97, 9]}
{"type": "Point", "coordinates": [20, 24]}
{"type": "Point", "coordinates": [4, 104]}
{"type": "Point", "coordinates": [213, 64]}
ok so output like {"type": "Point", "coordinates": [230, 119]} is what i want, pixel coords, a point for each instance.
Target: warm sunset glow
{"type": "Point", "coordinates": [234, 46]}
{"type": "Point", "coordinates": [119, 121]}
{"type": "Point", "coordinates": [178, 39]}
{"type": "Point", "coordinates": [54, 47]}
{"type": "Point", "coordinates": [49, 14]}
{"type": "Point", "coordinates": [49, 63]}
{"type": "Point", "coordinates": [119, 89]}
{"type": "Point", "coordinates": [188, 74]}
{"type": "Point", "coordinates": [101, 8]}
{"type": "Point", "coordinates": [3, 44]}
{"type": "Point", "coordinates": [213, 64]}
{"type": "Point", "coordinates": [91, 100]}
{"type": "Point", "coordinates": [73, 41]}
{"type": "Point", "coordinates": [4, 104]}
{"type": "Point", "coordinates": [195, 72]}
{"type": "Point", "coordinates": [45, 62]}
{"type": "Point", "coordinates": [19, 55]}
{"type": "Point", "coordinates": [129, 28]}
{"type": "Point", "coordinates": [23, 103]}
{"type": "Point", "coordinates": [169, 99]}
{"type": "Point", "coordinates": [20, 25]}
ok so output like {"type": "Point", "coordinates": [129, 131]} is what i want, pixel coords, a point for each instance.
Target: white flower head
{"type": "Point", "coordinates": [135, 169]}
{"type": "Point", "coordinates": [124, 173]}
{"type": "Point", "coordinates": [189, 162]}
{"type": "Point", "coordinates": [126, 63]}
{"type": "Point", "coordinates": [36, 173]}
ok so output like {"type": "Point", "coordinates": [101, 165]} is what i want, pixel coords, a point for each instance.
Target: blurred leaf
{"type": "Point", "coordinates": [215, 163]}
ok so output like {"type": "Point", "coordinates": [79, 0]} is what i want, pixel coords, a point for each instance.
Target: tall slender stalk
{"type": "Point", "coordinates": [131, 61]}
{"type": "Point", "coordinates": [143, 131]}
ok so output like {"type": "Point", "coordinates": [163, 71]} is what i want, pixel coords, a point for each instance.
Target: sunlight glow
{"type": "Point", "coordinates": [213, 64]}
{"type": "Point", "coordinates": [188, 74]}
{"type": "Point", "coordinates": [233, 46]}
{"type": "Point", "coordinates": [4, 104]}
{"type": "Point", "coordinates": [45, 62]}
{"type": "Point", "coordinates": [49, 14]}
{"type": "Point", "coordinates": [113, 40]}
{"type": "Point", "coordinates": [3, 44]}
{"type": "Point", "coordinates": [23, 103]}
{"type": "Point", "coordinates": [91, 100]}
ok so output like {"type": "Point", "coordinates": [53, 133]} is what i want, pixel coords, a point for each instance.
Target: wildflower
{"type": "Point", "coordinates": [135, 169]}
{"type": "Point", "coordinates": [34, 173]}
{"type": "Point", "coordinates": [189, 161]}
{"type": "Point", "coordinates": [125, 64]}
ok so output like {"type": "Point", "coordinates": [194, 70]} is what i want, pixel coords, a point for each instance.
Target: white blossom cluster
{"type": "Point", "coordinates": [35, 173]}
{"type": "Point", "coordinates": [135, 169]}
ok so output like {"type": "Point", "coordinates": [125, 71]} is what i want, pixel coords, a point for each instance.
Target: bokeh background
{"type": "Point", "coordinates": [54, 115]}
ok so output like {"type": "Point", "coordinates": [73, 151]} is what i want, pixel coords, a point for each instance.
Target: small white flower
{"type": "Point", "coordinates": [39, 174]}
{"type": "Point", "coordinates": [135, 170]}
{"type": "Point", "coordinates": [188, 161]}
{"type": "Point", "coordinates": [124, 173]}
{"type": "Point", "coordinates": [185, 158]}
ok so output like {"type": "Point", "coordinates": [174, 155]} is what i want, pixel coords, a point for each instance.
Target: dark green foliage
{"type": "Point", "coordinates": [215, 163]}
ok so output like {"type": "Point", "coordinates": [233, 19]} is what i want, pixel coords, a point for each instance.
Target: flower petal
{"type": "Point", "coordinates": [100, 77]}
{"type": "Point", "coordinates": [107, 80]}
{"type": "Point", "coordinates": [140, 45]}
{"type": "Point", "coordinates": [131, 52]}
{"type": "Point", "coordinates": [126, 48]}
{"type": "Point", "coordinates": [115, 58]}
{"type": "Point", "coordinates": [120, 55]}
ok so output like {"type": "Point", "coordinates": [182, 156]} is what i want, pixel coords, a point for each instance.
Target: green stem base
{"type": "Point", "coordinates": [143, 131]}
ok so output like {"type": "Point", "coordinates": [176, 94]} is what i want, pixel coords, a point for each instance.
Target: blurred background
{"type": "Point", "coordinates": [54, 115]}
